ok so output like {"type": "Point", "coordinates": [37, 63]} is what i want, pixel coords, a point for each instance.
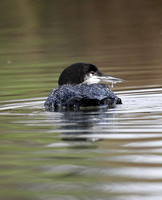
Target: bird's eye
{"type": "Point", "coordinates": [92, 72]}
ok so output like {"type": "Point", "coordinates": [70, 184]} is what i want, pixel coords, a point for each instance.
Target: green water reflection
{"type": "Point", "coordinates": [38, 39]}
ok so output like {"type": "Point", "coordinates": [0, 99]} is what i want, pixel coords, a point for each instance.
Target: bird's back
{"type": "Point", "coordinates": [81, 95]}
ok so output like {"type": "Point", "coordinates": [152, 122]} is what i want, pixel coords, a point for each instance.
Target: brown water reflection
{"type": "Point", "coordinates": [123, 38]}
{"type": "Point", "coordinates": [107, 154]}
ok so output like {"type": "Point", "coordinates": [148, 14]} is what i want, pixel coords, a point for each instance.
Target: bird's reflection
{"type": "Point", "coordinates": [83, 125]}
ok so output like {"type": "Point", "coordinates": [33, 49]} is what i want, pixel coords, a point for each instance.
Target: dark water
{"type": "Point", "coordinates": [102, 154]}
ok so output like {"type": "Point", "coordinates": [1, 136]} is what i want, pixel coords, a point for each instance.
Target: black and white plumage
{"type": "Point", "coordinates": [79, 87]}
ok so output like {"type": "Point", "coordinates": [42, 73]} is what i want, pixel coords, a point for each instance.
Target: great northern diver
{"type": "Point", "coordinates": [79, 87]}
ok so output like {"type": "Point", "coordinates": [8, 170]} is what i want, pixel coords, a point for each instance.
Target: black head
{"type": "Point", "coordinates": [76, 73]}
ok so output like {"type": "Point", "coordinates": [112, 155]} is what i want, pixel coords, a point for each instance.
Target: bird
{"type": "Point", "coordinates": [80, 86]}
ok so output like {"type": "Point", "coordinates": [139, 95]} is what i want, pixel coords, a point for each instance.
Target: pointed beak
{"type": "Point", "coordinates": [109, 79]}
{"type": "Point", "coordinates": [101, 78]}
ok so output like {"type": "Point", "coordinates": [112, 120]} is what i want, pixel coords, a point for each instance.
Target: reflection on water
{"type": "Point", "coordinates": [102, 154]}
{"type": "Point", "coordinates": [91, 154]}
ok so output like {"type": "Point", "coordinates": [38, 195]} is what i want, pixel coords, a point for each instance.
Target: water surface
{"type": "Point", "coordinates": [102, 154]}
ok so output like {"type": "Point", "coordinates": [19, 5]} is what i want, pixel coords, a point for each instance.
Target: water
{"type": "Point", "coordinates": [113, 154]}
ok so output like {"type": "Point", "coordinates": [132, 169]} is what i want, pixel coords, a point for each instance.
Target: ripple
{"type": "Point", "coordinates": [140, 188]}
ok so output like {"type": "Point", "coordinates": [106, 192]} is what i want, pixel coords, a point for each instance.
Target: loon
{"type": "Point", "coordinates": [80, 87]}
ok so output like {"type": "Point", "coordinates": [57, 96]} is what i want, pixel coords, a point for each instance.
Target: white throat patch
{"type": "Point", "coordinates": [91, 78]}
